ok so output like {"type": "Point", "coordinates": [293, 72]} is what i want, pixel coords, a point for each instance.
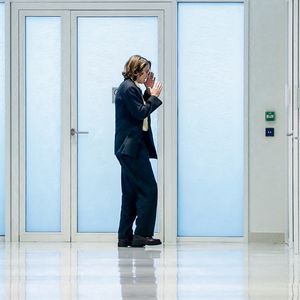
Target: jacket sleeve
{"type": "Point", "coordinates": [134, 103]}
{"type": "Point", "coordinates": [147, 95]}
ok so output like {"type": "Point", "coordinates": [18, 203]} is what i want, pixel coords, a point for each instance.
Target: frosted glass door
{"type": "Point", "coordinates": [43, 123]}
{"type": "Point", "coordinates": [2, 122]}
{"type": "Point", "coordinates": [210, 119]}
{"type": "Point", "coordinates": [45, 129]}
{"type": "Point", "coordinates": [104, 44]}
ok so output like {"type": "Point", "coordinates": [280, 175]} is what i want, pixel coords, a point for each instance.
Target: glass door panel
{"type": "Point", "coordinates": [44, 146]}
{"type": "Point", "coordinates": [43, 124]}
{"type": "Point", "coordinates": [104, 43]}
{"type": "Point", "coordinates": [210, 119]}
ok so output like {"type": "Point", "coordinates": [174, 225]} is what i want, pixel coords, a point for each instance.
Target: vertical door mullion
{"type": "Point", "coordinates": [66, 115]}
{"type": "Point", "coordinates": [289, 105]}
{"type": "Point", "coordinates": [160, 133]}
{"type": "Point", "coordinates": [170, 125]}
{"type": "Point", "coordinates": [296, 139]}
{"type": "Point", "coordinates": [64, 234]}
{"type": "Point", "coordinates": [14, 223]}
{"type": "Point", "coordinates": [73, 141]}
{"type": "Point", "coordinates": [22, 34]}
{"type": "Point", "coordinates": [296, 128]}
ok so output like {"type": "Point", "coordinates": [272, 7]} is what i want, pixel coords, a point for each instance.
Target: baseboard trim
{"type": "Point", "coordinates": [212, 239]}
{"type": "Point", "coordinates": [267, 237]}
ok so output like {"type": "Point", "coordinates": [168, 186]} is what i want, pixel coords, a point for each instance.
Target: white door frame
{"type": "Point", "coordinates": [293, 104]}
{"type": "Point", "coordinates": [296, 104]}
{"type": "Point", "coordinates": [289, 111]}
{"type": "Point", "coordinates": [64, 235]}
{"type": "Point", "coordinates": [169, 127]}
{"type": "Point", "coordinates": [75, 236]}
{"type": "Point", "coordinates": [166, 164]}
{"type": "Point", "coordinates": [245, 236]}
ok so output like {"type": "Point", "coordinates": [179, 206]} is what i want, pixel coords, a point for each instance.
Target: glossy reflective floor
{"type": "Point", "coordinates": [186, 271]}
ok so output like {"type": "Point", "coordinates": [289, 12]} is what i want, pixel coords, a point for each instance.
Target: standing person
{"type": "Point", "coordinates": [133, 147]}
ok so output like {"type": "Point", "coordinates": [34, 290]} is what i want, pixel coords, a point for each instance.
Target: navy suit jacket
{"type": "Point", "coordinates": [130, 112]}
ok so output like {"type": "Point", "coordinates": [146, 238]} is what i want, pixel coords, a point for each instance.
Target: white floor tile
{"type": "Point", "coordinates": [218, 271]}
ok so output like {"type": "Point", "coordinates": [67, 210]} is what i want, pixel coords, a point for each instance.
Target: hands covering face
{"type": "Point", "coordinates": [149, 83]}
{"type": "Point", "coordinates": [155, 88]}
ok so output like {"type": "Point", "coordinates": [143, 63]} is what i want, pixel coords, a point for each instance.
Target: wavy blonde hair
{"type": "Point", "coordinates": [134, 66]}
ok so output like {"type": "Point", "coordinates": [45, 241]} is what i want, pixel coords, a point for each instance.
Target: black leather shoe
{"type": "Point", "coordinates": [140, 241]}
{"type": "Point", "coordinates": [124, 243]}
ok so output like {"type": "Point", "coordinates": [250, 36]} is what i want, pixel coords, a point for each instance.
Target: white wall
{"type": "Point", "coordinates": [267, 156]}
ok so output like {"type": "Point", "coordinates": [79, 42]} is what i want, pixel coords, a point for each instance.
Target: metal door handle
{"type": "Point", "coordinates": [74, 131]}
{"type": "Point", "coordinates": [292, 134]}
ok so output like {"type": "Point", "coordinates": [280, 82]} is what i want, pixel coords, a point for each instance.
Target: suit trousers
{"type": "Point", "coordinates": [139, 196]}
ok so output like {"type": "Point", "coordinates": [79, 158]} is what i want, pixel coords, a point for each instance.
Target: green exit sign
{"type": "Point", "coordinates": [270, 115]}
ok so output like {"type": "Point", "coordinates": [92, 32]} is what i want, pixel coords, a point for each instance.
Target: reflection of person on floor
{"type": "Point", "coordinates": [134, 147]}
{"type": "Point", "coordinates": [137, 273]}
